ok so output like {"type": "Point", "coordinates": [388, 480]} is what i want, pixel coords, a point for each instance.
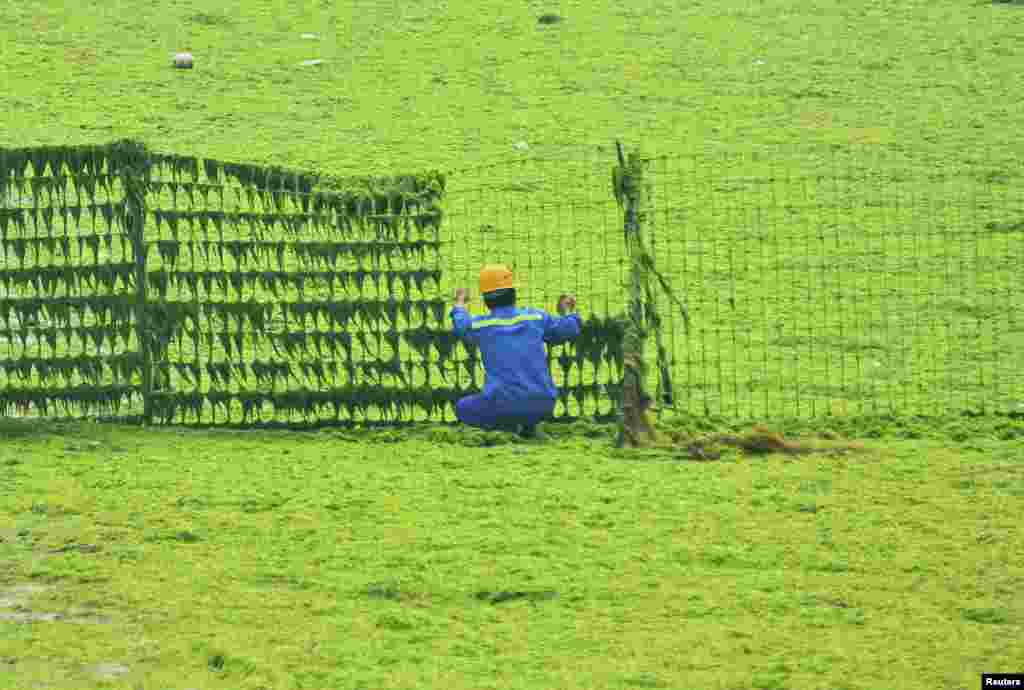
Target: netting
{"type": "Point", "coordinates": [295, 303]}
{"type": "Point", "coordinates": [838, 280]}
{"type": "Point", "coordinates": [249, 295]}
{"type": "Point", "coordinates": [69, 340]}
{"type": "Point", "coordinates": [827, 281]}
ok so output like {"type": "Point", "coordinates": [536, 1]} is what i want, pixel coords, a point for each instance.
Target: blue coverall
{"type": "Point", "coordinates": [518, 389]}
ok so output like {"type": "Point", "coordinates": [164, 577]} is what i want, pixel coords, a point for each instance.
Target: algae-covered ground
{"type": "Point", "coordinates": [440, 557]}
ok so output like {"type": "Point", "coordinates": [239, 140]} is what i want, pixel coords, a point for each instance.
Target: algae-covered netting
{"type": "Point", "coordinates": [67, 283]}
{"type": "Point", "coordinates": [305, 297]}
{"type": "Point", "coordinates": [284, 295]}
{"type": "Point", "coordinates": [191, 289]}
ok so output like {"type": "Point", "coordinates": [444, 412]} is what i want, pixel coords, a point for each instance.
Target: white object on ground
{"type": "Point", "coordinates": [308, 63]}
{"type": "Point", "coordinates": [521, 145]}
{"type": "Point", "coordinates": [183, 60]}
{"type": "Point", "coordinates": [309, 36]}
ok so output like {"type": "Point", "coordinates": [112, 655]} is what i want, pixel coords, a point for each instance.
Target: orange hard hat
{"type": "Point", "coordinates": [495, 277]}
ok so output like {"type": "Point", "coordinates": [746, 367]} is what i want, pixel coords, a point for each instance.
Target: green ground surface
{"type": "Point", "coordinates": [185, 559]}
{"type": "Point", "coordinates": [886, 275]}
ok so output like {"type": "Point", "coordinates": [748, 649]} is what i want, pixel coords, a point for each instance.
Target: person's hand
{"type": "Point", "coordinates": [566, 304]}
{"type": "Point", "coordinates": [461, 296]}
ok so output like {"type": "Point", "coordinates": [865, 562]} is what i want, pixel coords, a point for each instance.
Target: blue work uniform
{"type": "Point", "coordinates": [518, 389]}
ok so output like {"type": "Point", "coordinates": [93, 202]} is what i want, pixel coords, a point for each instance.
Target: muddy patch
{"type": "Point", "coordinates": [108, 671]}
{"type": "Point", "coordinates": [14, 608]}
{"type": "Point", "coordinates": [73, 616]}
{"type": "Point", "coordinates": [17, 595]}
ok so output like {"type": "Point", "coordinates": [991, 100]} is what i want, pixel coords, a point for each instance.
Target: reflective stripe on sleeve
{"type": "Point", "coordinates": [483, 323]}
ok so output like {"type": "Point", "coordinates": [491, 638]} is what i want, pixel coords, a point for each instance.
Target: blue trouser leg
{"type": "Point", "coordinates": [478, 411]}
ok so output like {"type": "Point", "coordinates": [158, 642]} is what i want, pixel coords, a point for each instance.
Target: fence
{"type": "Point", "coordinates": [182, 289]}
{"type": "Point", "coordinates": [827, 281]}
{"type": "Point", "coordinates": [854, 280]}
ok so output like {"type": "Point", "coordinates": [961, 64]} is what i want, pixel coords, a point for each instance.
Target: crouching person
{"type": "Point", "coordinates": [518, 390]}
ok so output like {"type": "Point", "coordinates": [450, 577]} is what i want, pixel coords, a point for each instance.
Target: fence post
{"type": "Point", "coordinates": [133, 165]}
{"type": "Point", "coordinates": [636, 427]}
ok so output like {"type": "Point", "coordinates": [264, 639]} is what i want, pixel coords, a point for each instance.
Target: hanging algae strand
{"type": "Point", "coordinates": [637, 427]}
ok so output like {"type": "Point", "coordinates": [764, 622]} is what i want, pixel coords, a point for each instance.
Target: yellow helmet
{"type": "Point", "coordinates": [495, 277]}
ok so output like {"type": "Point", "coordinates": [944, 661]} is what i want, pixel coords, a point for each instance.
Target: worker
{"type": "Point", "coordinates": [518, 389]}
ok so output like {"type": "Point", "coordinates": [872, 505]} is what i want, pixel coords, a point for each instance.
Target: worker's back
{"type": "Point", "coordinates": [511, 342]}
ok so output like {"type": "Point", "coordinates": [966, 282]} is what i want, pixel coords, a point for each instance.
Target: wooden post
{"type": "Point", "coordinates": [636, 428]}
{"type": "Point", "coordinates": [133, 165]}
